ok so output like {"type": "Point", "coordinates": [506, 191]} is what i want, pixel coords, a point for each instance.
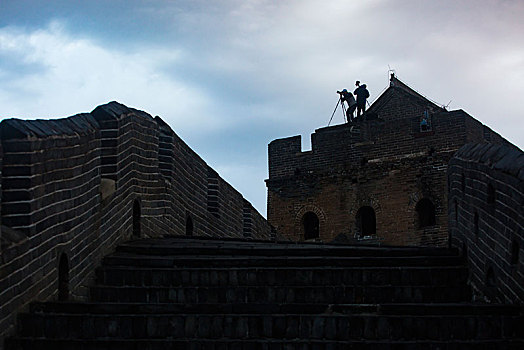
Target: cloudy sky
{"type": "Point", "coordinates": [230, 76]}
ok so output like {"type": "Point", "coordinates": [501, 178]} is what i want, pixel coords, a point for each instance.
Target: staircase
{"type": "Point", "coordinates": [183, 293]}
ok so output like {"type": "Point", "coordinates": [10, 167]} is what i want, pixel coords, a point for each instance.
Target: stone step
{"type": "Point", "coordinates": [273, 326]}
{"type": "Point", "coordinates": [327, 294]}
{"type": "Point", "coordinates": [210, 261]}
{"type": "Point", "coordinates": [180, 246]}
{"type": "Point", "coordinates": [262, 344]}
{"type": "Point", "coordinates": [449, 309]}
{"type": "Point", "coordinates": [175, 308]}
{"type": "Point", "coordinates": [281, 276]}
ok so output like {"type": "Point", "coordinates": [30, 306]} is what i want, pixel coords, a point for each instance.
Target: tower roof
{"type": "Point", "coordinates": [406, 93]}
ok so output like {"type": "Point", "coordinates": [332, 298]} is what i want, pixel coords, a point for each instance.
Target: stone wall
{"type": "Point", "coordinates": [486, 218]}
{"type": "Point", "coordinates": [73, 188]}
{"type": "Point", "coordinates": [385, 164]}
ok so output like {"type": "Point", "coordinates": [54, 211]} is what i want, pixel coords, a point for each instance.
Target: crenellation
{"type": "Point", "coordinates": [52, 175]}
{"type": "Point", "coordinates": [389, 153]}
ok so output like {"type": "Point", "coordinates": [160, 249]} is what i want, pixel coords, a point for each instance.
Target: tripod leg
{"type": "Point", "coordinates": [334, 111]}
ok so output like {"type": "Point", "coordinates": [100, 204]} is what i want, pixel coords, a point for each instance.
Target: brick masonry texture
{"type": "Point", "coordinates": [80, 185]}
{"type": "Point", "coordinates": [486, 218]}
{"type": "Point", "coordinates": [385, 163]}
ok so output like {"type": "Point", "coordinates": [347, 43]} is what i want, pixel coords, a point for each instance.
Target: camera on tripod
{"type": "Point", "coordinates": [345, 97]}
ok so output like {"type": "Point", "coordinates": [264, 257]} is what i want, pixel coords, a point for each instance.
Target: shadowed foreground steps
{"type": "Point", "coordinates": [188, 293]}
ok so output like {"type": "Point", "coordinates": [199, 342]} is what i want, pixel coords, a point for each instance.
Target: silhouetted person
{"type": "Point", "coordinates": [362, 94]}
{"type": "Point", "coordinates": [346, 96]}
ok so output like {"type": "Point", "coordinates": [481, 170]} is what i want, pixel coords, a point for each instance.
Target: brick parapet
{"type": "Point", "coordinates": [486, 218]}
{"type": "Point", "coordinates": [73, 186]}
{"type": "Point", "coordinates": [283, 154]}
{"type": "Point", "coordinates": [338, 148]}
{"type": "Point", "coordinates": [1, 163]}
{"type": "Point", "coordinates": [50, 192]}
{"type": "Point", "coordinates": [369, 161]}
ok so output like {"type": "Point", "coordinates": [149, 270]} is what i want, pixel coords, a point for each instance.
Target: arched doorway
{"type": "Point", "coordinates": [189, 225]}
{"type": "Point", "coordinates": [63, 278]}
{"type": "Point", "coordinates": [136, 218]}
{"type": "Point", "coordinates": [425, 213]}
{"type": "Point", "coordinates": [515, 250]}
{"type": "Point", "coordinates": [366, 221]}
{"type": "Point", "coordinates": [311, 225]}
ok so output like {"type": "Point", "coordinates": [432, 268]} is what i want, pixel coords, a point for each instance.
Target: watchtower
{"type": "Point", "coordinates": [382, 181]}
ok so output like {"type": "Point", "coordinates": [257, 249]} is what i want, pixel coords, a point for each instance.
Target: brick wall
{"type": "Point", "coordinates": [76, 187]}
{"type": "Point", "coordinates": [385, 162]}
{"type": "Point", "coordinates": [188, 180]}
{"type": "Point", "coordinates": [1, 159]}
{"type": "Point", "coordinates": [486, 218]}
{"type": "Point", "coordinates": [50, 190]}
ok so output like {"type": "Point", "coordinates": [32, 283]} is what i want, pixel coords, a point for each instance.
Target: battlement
{"type": "Point", "coordinates": [73, 188]}
{"type": "Point", "coordinates": [486, 217]}
{"type": "Point", "coordinates": [341, 147]}
{"type": "Point", "coordinates": [389, 161]}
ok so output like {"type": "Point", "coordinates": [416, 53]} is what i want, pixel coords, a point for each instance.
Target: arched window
{"type": "Point", "coordinates": [63, 278]}
{"type": "Point", "coordinates": [366, 221]}
{"type": "Point", "coordinates": [491, 194]}
{"type": "Point", "coordinates": [136, 218]}
{"type": "Point", "coordinates": [311, 225]}
{"type": "Point", "coordinates": [425, 213]}
{"type": "Point", "coordinates": [189, 226]}
{"type": "Point", "coordinates": [490, 277]}
{"type": "Point", "coordinates": [515, 250]}
{"type": "Point", "coordinates": [464, 250]}
{"type": "Point", "coordinates": [476, 223]}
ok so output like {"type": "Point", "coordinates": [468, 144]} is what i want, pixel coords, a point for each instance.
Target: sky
{"type": "Point", "coordinates": [231, 76]}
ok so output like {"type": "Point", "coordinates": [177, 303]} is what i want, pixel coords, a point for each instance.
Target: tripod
{"type": "Point", "coordinates": [343, 109]}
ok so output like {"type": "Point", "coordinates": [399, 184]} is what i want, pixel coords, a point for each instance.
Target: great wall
{"type": "Point", "coordinates": [95, 207]}
{"type": "Point", "coordinates": [74, 188]}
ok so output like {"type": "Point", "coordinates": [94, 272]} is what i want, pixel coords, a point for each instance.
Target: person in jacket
{"type": "Point", "coordinates": [346, 96]}
{"type": "Point", "coordinates": [362, 94]}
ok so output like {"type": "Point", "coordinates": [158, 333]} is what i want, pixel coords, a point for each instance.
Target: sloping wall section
{"type": "Point", "coordinates": [486, 218]}
{"type": "Point", "coordinates": [73, 188]}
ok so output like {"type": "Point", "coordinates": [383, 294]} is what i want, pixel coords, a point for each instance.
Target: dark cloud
{"type": "Point", "coordinates": [230, 76]}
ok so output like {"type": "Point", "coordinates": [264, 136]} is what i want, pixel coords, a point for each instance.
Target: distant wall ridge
{"type": "Point", "coordinates": [486, 218]}
{"type": "Point", "coordinates": [509, 160]}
